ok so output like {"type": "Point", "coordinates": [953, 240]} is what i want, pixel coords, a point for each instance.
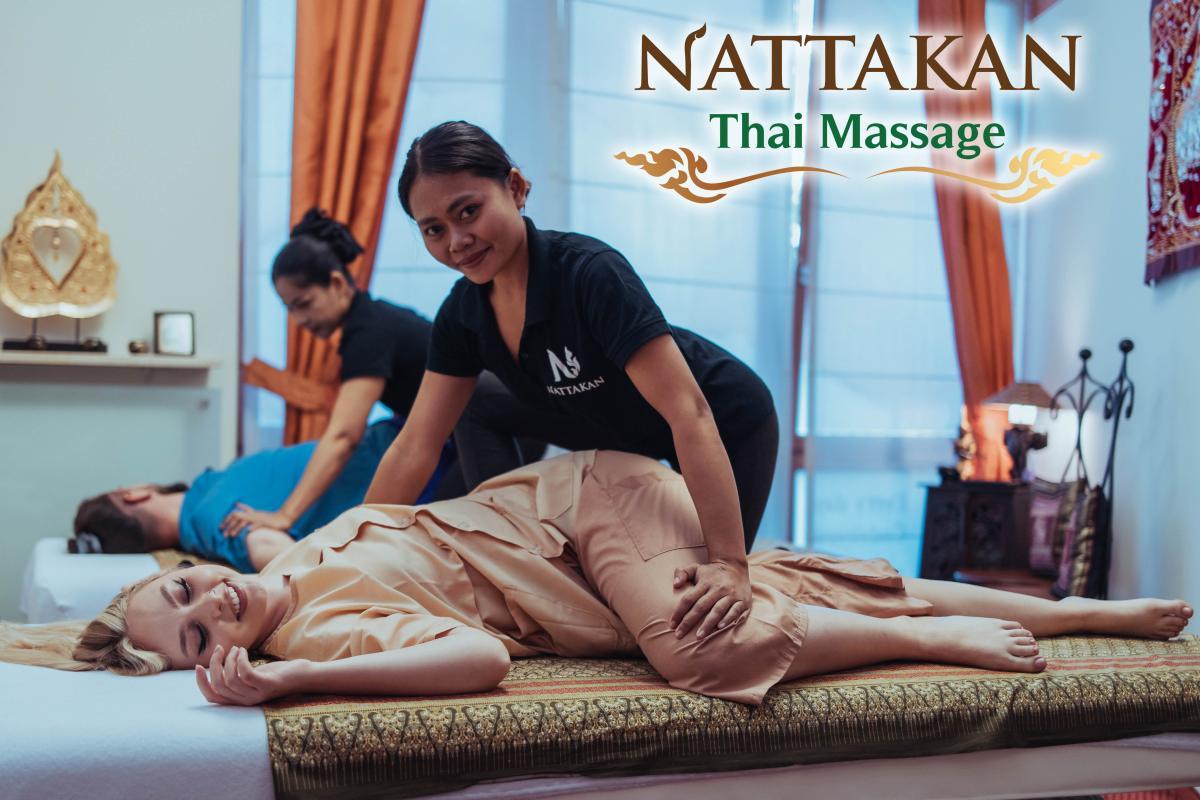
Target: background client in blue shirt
{"type": "Point", "coordinates": [151, 516]}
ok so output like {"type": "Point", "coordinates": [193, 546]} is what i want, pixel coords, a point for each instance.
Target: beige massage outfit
{"type": "Point", "coordinates": [572, 556]}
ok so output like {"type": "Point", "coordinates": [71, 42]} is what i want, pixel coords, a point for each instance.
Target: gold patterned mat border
{"type": "Point", "coordinates": [616, 716]}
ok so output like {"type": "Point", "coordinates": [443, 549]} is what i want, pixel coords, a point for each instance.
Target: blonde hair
{"type": "Point", "coordinates": [82, 646]}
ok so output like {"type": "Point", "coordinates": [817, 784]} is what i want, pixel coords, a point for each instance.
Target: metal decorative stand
{"type": "Point", "coordinates": [1079, 393]}
{"type": "Point", "coordinates": [37, 342]}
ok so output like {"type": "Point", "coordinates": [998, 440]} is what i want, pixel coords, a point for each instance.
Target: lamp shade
{"type": "Point", "coordinates": [1021, 394]}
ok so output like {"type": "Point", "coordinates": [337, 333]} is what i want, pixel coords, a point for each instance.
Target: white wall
{"type": "Point", "coordinates": [1085, 259]}
{"type": "Point", "coordinates": [142, 98]}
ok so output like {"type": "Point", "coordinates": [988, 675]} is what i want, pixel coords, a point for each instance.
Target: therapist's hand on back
{"type": "Point", "coordinates": [243, 517]}
{"type": "Point", "coordinates": [718, 598]}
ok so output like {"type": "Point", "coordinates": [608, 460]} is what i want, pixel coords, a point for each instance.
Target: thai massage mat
{"type": "Point", "coordinates": [606, 717]}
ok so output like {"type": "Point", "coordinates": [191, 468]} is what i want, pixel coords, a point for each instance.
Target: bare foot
{"type": "Point", "coordinates": [1145, 617]}
{"type": "Point", "coordinates": [978, 642]}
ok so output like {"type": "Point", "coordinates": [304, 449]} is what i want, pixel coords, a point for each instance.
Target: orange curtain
{"type": "Point", "coordinates": [354, 60]}
{"type": "Point", "coordinates": [973, 244]}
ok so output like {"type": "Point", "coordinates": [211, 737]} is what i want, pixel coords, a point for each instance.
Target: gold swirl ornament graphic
{"type": "Point", "coordinates": [1035, 172]}
{"type": "Point", "coordinates": [689, 166]}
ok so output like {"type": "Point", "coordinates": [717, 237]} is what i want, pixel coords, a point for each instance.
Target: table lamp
{"type": "Point", "coordinates": [1022, 399]}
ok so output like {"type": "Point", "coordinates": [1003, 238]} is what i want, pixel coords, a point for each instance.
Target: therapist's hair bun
{"type": "Point", "coordinates": [319, 225]}
{"type": "Point", "coordinates": [320, 246]}
{"type": "Point", "coordinates": [451, 147]}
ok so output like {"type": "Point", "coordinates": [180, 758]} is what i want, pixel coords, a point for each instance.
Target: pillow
{"type": "Point", "coordinates": [1083, 571]}
{"type": "Point", "coordinates": [1051, 516]}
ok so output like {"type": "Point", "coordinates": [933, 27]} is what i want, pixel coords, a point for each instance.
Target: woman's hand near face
{"type": "Point", "coordinates": [232, 680]}
{"type": "Point", "coordinates": [458, 661]}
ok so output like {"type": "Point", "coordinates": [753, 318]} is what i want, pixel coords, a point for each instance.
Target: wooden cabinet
{"type": "Point", "coordinates": [975, 525]}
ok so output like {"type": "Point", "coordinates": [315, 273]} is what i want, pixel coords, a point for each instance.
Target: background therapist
{"type": "Point", "coordinates": [566, 324]}
{"type": "Point", "coordinates": [383, 350]}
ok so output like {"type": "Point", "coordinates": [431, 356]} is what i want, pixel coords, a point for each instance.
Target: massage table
{"type": "Point", "coordinates": [1108, 715]}
{"type": "Point", "coordinates": [61, 585]}
{"type": "Point", "coordinates": [101, 736]}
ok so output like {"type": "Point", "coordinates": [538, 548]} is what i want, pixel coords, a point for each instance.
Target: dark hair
{"type": "Point", "coordinates": [453, 147]}
{"type": "Point", "coordinates": [101, 525]}
{"type": "Point", "coordinates": [320, 245]}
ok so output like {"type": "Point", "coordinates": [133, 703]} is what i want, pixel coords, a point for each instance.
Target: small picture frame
{"type": "Point", "coordinates": [174, 333]}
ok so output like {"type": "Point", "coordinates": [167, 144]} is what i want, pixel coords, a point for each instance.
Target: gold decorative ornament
{"type": "Point", "coordinates": [55, 260]}
{"type": "Point", "coordinates": [680, 169]}
{"type": "Point", "coordinates": [1036, 170]}
{"type": "Point", "coordinates": [1034, 173]}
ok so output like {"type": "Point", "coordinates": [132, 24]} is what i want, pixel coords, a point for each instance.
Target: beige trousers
{"type": "Point", "coordinates": [635, 524]}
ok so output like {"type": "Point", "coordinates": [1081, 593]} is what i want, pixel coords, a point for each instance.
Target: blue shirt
{"type": "Point", "coordinates": [264, 481]}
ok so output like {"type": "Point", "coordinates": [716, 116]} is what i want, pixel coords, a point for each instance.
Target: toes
{"type": "Point", "coordinates": [1176, 608]}
{"type": "Point", "coordinates": [1023, 650]}
{"type": "Point", "coordinates": [1009, 625]}
{"type": "Point", "coordinates": [1034, 663]}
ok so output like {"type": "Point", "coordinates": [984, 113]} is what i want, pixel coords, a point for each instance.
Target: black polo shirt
{"type": "Point", "coordinates": [586, 313]}
{"type": "Point", "coordinates": [380, 340]}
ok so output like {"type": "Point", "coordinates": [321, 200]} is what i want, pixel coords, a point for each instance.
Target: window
{"type": "Point", "coordinates": [880, 379]}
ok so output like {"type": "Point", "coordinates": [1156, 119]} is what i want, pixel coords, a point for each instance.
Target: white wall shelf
{"type": "Point", "coordinates": [109, 360]}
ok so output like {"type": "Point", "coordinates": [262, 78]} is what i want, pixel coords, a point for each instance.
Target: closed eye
{"type": "Point", "coordinates": [201, 634]}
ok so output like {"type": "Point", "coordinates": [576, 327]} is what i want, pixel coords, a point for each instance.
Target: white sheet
{"type": "Point", "coordinates": [97, 736]}
{"type": "Point", "coordinates": [63, 585]}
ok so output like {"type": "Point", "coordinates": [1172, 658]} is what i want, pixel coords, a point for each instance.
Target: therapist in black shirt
{"type": "Point", "coordinates": [566, 324]}
{"type": "Point", "coordinates": [383, 351]}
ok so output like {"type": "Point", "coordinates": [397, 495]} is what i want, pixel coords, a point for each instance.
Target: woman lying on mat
{"type": "Point", "coordinates": [574, 556]}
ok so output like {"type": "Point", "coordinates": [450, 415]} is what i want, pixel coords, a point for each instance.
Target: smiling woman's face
{"type": "Point", "coordinates": [470, 224]}
{"type": "Point", "coordinates": [184, 614]}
